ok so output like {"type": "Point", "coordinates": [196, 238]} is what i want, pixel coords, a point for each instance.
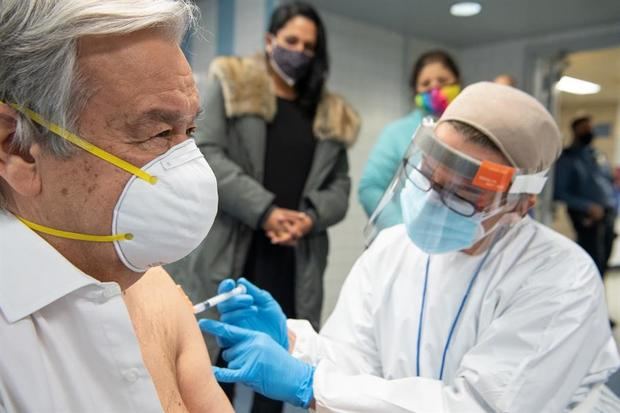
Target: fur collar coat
{"type": "Point", "coordinates": [248, 90]}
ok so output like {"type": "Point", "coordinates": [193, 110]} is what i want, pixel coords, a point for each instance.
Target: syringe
{"type": "Point", "coordinates": [220, 298]}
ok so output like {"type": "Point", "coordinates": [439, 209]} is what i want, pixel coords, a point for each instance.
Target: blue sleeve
{"type": "Point", "coordinates": [564, 174]}
{"type": "Point", "coordinates": [381, 166]}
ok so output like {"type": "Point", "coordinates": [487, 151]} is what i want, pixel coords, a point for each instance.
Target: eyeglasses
{"type": "Point", "coordinates": [450, 199]}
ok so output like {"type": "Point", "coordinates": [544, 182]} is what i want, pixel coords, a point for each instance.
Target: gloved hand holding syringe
{"type": "Point", "coordinates": [220, 298]}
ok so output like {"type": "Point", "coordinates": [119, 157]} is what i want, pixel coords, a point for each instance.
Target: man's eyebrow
{"type": "Point", "coordinates": [163, 116]}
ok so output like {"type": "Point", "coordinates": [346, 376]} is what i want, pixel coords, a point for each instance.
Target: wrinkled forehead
{"type": "Point", "coordinates": [135, 65]}
{"type": "Point", "coordinates": [139, 82]}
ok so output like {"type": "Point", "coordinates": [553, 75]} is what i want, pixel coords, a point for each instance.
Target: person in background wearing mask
{"type": "Point", "coordinates": [435, 82]}
{"type": "Point", "coordinates": [469, 306]}
{"type": "Point", "coordinates": [584, 181]}
{"type": "Point", "coordinates": [277, 142]}
{"type": "Point", "coordinates": [99, 182]}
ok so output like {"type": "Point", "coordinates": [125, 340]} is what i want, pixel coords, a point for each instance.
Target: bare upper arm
{"type": "Point", "coordinates": [199, 389]}
{"type": "Point", "coordinates": [163, 318]}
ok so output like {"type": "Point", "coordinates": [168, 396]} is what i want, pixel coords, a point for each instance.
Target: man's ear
{"type": "Point", "coordinates": [18, 170]}
{"type": "Point", "coordinates": [8, 123]}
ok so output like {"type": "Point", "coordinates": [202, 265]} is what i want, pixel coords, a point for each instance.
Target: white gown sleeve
{"type": "Point", "coordinates": [348, 335]}
{"type": "Point", "coordinates": [532, 358]}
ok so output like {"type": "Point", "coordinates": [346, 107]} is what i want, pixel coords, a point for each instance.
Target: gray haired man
{"type": "Point", "coordinates": [99, 182]}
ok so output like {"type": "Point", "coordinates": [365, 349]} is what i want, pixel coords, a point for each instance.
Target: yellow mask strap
{"type": "Point", "coordinates": [74, 235]}
{"type": "Point", "coordinates": [81, 143]}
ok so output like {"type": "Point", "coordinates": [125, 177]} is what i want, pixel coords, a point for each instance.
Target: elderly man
{"type": "Point", "coordinates": [469, 306]}
{"type": "Point", "coordinates": [99, 181]}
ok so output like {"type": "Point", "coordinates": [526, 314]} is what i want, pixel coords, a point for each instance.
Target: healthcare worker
{"type": "Point", "coordinates": [468, 306]}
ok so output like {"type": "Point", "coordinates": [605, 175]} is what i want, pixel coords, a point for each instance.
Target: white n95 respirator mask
{"type": "Point", "coordinates": [169, 219]}
{"type": "Point", "coordinates": [165, 210]}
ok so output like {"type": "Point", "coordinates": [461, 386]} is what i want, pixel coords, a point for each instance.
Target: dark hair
{"type": "Point", "coordinates": [433, 56]}
{"type": "Point", "coordinates": [310, 87]}
{"type": "Point", "coordinates": [475, 136]}
{"type": "Point", "coordinates": [578, 121]}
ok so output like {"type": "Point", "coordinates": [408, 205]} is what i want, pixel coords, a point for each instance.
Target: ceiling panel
{"type": "Point", "coordinates": [499, 19]}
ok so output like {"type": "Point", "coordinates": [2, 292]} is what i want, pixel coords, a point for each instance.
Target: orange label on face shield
{"type": "Point", "coordinates": [493, 177]}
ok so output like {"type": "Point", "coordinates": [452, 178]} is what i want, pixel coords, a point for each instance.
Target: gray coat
{"type": "Point", "coordinates": [239, 102]}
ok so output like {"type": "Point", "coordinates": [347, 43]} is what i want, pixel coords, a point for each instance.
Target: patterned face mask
{"type": "Point", "coordinates": [435, 101]}
{"type": "Point", "coordinates": [290, 65]}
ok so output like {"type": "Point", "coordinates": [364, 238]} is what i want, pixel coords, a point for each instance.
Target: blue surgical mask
{"type": "Point", "coordinates": [434, 227]}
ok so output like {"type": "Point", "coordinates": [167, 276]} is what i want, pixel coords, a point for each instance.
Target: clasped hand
{"type": "Point", "coordinates": [286, 226]}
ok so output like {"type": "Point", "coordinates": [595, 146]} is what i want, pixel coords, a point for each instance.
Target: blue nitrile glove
{"type": "Point", "coordinates": [256, 310]}
{"type": "Point", "coordinates": [261, 364]}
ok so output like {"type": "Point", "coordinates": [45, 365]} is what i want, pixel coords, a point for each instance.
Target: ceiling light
{"type": "Point", "coordinates": [577, 86]}
{"type": "Point", "coordinates": [465, 9]}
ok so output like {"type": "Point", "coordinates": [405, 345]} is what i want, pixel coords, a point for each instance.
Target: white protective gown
{"type": "Point", "coordinates": [533, 336]}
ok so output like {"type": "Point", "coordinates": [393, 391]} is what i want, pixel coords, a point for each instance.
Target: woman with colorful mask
{"type": "Point", "coordinates": [277, 142]}
{"type": "Point", "coordinates": [435, 82]}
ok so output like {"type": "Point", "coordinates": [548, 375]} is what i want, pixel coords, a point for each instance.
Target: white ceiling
{"type": "Point", "coordinates": [499, 19]}
{"type": "Point", "coordinates": [598, 66]}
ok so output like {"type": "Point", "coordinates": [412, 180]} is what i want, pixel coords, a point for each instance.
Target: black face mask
{"type": "Point", "coordinates": [289, 64]}
{"type": "Point", "coordinates": [586, 138]}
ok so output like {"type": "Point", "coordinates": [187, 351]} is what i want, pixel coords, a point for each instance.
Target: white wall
{"type": "Point", "coordinates": [516, 57]}
{"type": "Point", "coordinates": [616, 137]}
{"type": "Point", "coordinates": [367, 69]}
{"type": "Point", "coordinates": [485, 62]}
{"type": "Point", "coordinates": [370, 68]}
{"type": "Point", "coordinates": [249, 26]}
{"type": "Point", "coordinates": [204, 42]}
{"type": "Point", "coordinates": [248, 32]}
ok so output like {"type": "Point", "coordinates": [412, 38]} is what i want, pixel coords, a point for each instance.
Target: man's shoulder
{"type": "Point", "coordinates": [156, 295]}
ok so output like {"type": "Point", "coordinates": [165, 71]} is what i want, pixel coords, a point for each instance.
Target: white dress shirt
{"type": "Point", "coordinates": [533, 335]}
{"type": "Point", "coordinates": [67, 343]}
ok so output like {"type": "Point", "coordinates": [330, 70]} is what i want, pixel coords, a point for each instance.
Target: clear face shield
{"type": "Point", "coordinates": [447, 199]}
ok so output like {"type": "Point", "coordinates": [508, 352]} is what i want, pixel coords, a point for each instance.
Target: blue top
{"type": "Point", "coordinates": [583, 178]}
{"type": "Point", "coordinates": [382, 164]}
